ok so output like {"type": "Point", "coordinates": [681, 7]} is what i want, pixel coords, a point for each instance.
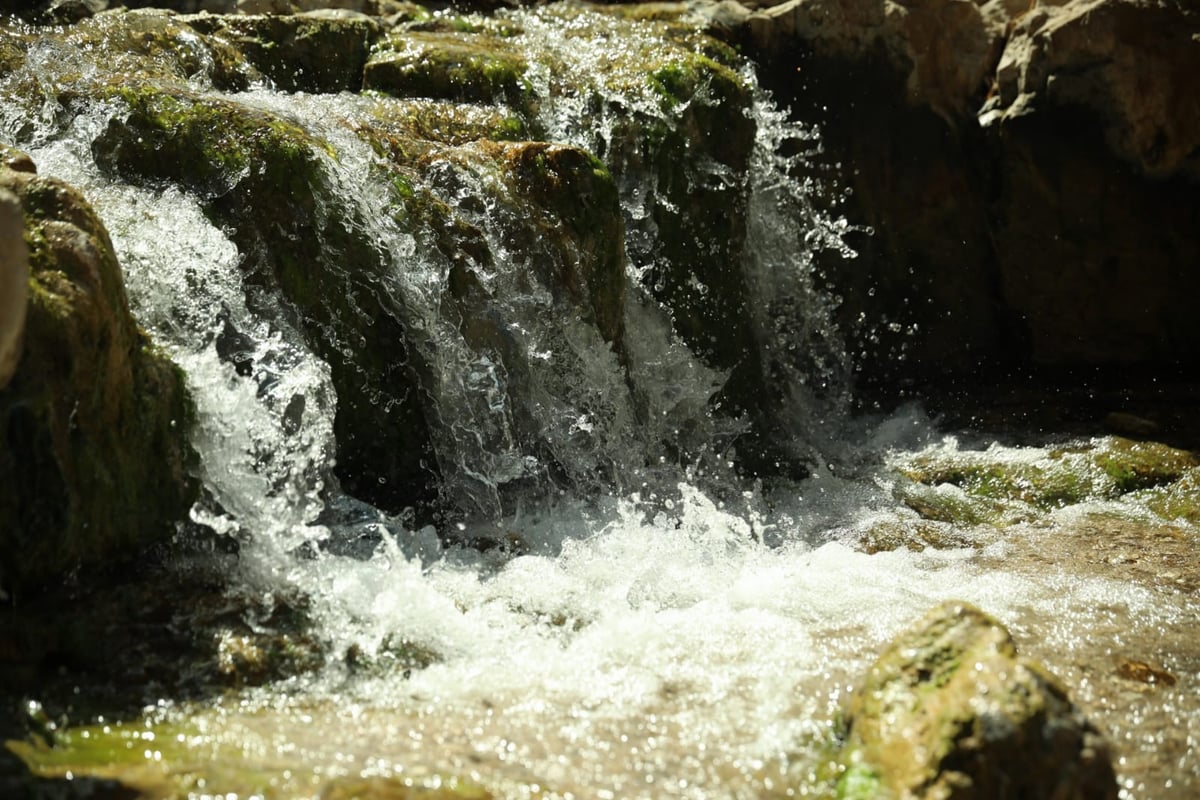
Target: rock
{"type": "Point", "coordinates": [148, 43]}
{"type": "Point", "coordinates": [950, 710]}
{"type": "Point", "coordinates": [312, 52]}
{"type": "Point", "coordinates": [14, 285]}
{"type": "Point", "coordinates": [1132, 64]}
{"type": "Point", "coordinates": [986, 486]}
{"type": "Point", "coordinates": [944, 50]}
{"type": "Point", "coordinates": [465, 67]}
{"type": "Point", "coordinates": [94, 459]}
{"type": "Point", "coordinates": [265, 180]}
{"type": "Point", "coordinates": [1030, 176]}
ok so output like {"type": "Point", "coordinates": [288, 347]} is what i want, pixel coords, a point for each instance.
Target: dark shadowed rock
{"type": "Point", "coordinates": [94, 457]}
{"type": "Point", "coordinates": [14, 284]}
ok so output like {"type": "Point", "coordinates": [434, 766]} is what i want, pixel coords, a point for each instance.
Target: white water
{"type": "Point", "coordinates": [675, 636]}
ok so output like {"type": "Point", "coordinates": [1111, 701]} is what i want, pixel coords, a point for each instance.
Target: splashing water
{"type": "Point", "coordinates": [654, 626]}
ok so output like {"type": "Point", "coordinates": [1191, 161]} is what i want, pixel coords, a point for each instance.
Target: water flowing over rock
{"type": "Point", "coordinates": [94, 458]}
{"type": "Point", "coordinates": [521, 414]}
{"type": "Point", "coordinates": [950, 711]}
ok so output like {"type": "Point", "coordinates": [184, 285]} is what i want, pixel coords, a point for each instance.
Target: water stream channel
{"type": "Point", "coordinates": [600, 602]}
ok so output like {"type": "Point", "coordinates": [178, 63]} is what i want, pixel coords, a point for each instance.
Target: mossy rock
{"type": "Point", "coordinates": [1133, 465]}
{"type": "Point", "coordinates": [298, 52]}
{"type": "Point", "coordinates": [1103, 469]}
{"type": "Point", "coordinates": [410, 124]}
{"type": "Point", "coordinates": [950, 710]}
{"type": "Point", "coordinates": [266, 181]}
{"type": "Point", "coordinates": [1179, 500]}
{"type": "Point", "coordinates": [582, 215]}
{"type": "Point", "coordinates": [94, 457]}
{"type": "Point", "coordinates": [154, 44]}
{"type": "Point", "coordinates": [463, 67]}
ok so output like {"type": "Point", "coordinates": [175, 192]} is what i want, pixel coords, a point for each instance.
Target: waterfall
{"type": "Point", "coordinates": [616, 581]}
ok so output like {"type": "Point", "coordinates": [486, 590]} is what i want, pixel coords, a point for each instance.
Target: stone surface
{"type": "Point", "coordinates": [310, 52]}
{"type": "Point", "coordinates": [1029, 175]}
{"type": "Point", "coordinates": [949, 710]}
{"type": "Point", "coordinates": [14, 284]}
{"type": "Point", "coordinates": [264, 178]}
{"type": "Point", "coordinates": [94, 458]}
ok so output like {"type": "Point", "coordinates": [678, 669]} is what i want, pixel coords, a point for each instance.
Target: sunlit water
{"type": "Point", "coordinates": [676, 634]}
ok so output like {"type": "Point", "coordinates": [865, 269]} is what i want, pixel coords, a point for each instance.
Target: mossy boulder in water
{"type": "Point", "coordinates": [302, 52]}
{"type": "Point", "coordinates": [459, 66]}
{"type": "Point", "coordinates": [949, 710]}
{"type": "Point", "coordinates": [1001, 486]}
{"type": "Point", "coordinates": [94, 457]}
{"type": "Point", "coordinates": [267, 181]}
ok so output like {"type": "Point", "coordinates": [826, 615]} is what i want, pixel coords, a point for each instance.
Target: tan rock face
{"type": "Point", "coordinates": [945, 48]}
{"type": "Point", "coordinates": [1132, 63]}
{"type": "Point", "coordinates": [951, 711]}
{"type": "Point", "coordinates": [94, 458]}
{"type": "Point", "coordinates": [1031, 173]}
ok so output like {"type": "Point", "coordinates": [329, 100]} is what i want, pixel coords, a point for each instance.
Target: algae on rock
{"type": "Point", "coordinates": [267, 181]}
{"type": "Point", "coordinates": [950, 710]}
{"type": "Point", "coordinates": [94, 458]}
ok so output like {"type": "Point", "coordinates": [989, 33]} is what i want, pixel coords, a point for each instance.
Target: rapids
{"type": "Point", "coordinates": [650, 625]}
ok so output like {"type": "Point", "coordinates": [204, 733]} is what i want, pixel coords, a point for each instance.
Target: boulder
{"type": "Point", "coordinates": [94, 456]}
{"type": "Point", "coordinates": [949, 710]}
{"type": "Point", "coordinates": [311, 52]}
{"type": "Point", "coordinates": [265, 180]}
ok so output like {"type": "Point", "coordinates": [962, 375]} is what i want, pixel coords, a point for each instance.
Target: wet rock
{"type": "Point", "coordinates": [94, 458]}
{"type": "Point", "coordinates": [150, 44]}
{"type": "Point", "coordinates": [310, 52]}
{"type": "Point", "coordinates": [14, 284]}
{"type": "Point", "coordinates": [973, 486]}
{"type": "Point", "coordinates": [951, 710]}
{"type": "Point", "coordinates": [465, 67]}
{"type": "Point", "coordinates": [266, 181]}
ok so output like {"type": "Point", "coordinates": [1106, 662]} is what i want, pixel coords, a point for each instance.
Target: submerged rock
{"type": "Point", "coordinates": [949, 710]}
{"type": "Point", "coordinates": [94, 457]}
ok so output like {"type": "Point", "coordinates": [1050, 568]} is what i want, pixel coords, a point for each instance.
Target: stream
{"type": "Point", "coordinates": [601, 603]}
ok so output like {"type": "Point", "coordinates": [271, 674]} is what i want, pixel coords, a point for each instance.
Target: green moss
{"type": "Point", "coordinates": [465, 68]}
{"type": "Point", "coordinates": [860, 782]}
{"type": "Point", "coordinates": [96, 419]}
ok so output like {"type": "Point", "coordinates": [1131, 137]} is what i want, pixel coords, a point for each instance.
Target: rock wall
{"type": "Point", "coordinates": [1029, 172]}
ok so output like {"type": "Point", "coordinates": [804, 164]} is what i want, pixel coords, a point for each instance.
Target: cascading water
{"type": "Point", "coordinates": [643, 622]}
